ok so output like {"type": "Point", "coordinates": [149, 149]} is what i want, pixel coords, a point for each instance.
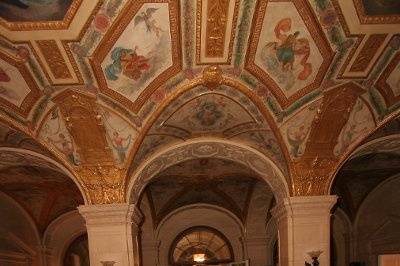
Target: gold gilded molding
{"type": "Point", "coordinates": [313, 170]}
{"type": "Point", "coordinates": [217, 16]}
{"type": "Point", "coordinates": [212, 76]}
{"type": "Point", "coordinates": [368, 51]}
{"type": "Point", "coordinates": [103, 183]}
{"type": "Point", "coordinates": [102, 179]}
{"type": "Point", "coordinates": [52, 54]}
{"type": "Point", "coordinates": [112, 36]}
{"type": "Point", "coordinates": [216, 21]}
{"type": "Point", "coordinates": [34, 94]}
{"type": "Point", "coordinates": [306, 13]}
{"type": "Point", "coordinates": [44, 25]}
{"type": "Point", "coordinates": [81, 116]}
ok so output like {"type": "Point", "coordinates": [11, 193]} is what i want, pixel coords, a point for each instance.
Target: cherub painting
{"type": "Point", "coordinates": [120, 144]}
{"type": "Point", "coordinates": [142, 51]}
{"type": "Point", "coordinates": [127, 62]}
{"type": "Point", "coordinates": [287, 57]}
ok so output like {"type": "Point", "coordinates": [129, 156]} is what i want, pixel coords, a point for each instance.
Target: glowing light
{"type": "Point", "coordinates": [199, 257]}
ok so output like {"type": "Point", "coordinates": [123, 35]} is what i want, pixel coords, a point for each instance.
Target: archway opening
{"type": "Point", "coordinates": [224, 195]}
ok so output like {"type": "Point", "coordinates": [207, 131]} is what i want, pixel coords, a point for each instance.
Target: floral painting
{"type": "Point", "coordinates": [120, 134]}
{"type": "Point", "coordinates": [286, 50]}
{"type": "Point", "coordinates": [142, 52]}
{"type": "Point", "coordinates": [13, 87]}
{"type": "Point", "coordinates": [34, 10]}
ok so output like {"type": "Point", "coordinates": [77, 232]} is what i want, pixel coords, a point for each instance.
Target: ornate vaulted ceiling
{"type": "Point", "coordinates": [102, 86]}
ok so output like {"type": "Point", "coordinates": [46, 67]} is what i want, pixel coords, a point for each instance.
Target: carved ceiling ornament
{"type": "Point", "coordinates": [314, 169]}
{"type": "Point", "coordinates": [215, 30]}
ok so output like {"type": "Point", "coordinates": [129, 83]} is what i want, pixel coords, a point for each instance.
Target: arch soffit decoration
{"type": "Point", "coordinates": [212, 77]}
{"type": "Point", "coordinates": [358, 146]}
{"type": "Point", "coordinates": [60, 167]}
{"type": "Point", "coordinates": [208, 148]}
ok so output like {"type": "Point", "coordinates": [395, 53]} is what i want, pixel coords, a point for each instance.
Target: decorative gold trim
{"type": "Point", "coordinates": [44, 25]}
{"type": "Point", "coordinates": [112, 36]}
{"type": "Point", "coordinates": [351, 54]}
{"type": "Point", "coordinates": [32, 97]}
{"type": "Point", "coordinates": [55, 60]}
{"type": "Point", "coordinates": [367, 52]}
{"type": "Point", "coordinates": [375, 19]}
{"type": "Point", "coordinates": [198, 34]}
{"type": "Point", "coordinates": [310, 21]}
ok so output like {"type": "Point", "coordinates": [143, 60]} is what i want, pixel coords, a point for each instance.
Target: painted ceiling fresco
{"type": "Point", "coordinates": [217, 182]}
{"type": "Point", "coordinates": [105, 86]}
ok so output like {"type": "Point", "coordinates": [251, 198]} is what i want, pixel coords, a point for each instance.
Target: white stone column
{"type": "Point", "coordinates": [257, 250]}
{"type": "Point", "coordinates": [112, 232]}
{"type": "Point", "coordinates": [304, 226]}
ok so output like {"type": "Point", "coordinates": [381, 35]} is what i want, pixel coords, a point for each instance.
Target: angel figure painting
{"type": "Point", "coordinates": [287, 51]}
{"type": "Point", "coordinates": [290, 52]}
{"type": "Point", "coordinates": [141, 53]}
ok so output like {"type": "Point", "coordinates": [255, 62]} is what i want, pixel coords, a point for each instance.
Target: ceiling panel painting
{"type": "Point", "coordinates": [288, 50]}
{"type": "Point", "coordinates": [18, 89]}
{"type": "Point", "coordinates": [380, 7]}
{"type": "Point", "coordinates": [139, 52]}
{"type": "Point", "coordinates": [34, 10]}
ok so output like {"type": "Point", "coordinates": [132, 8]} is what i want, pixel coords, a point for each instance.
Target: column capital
{"type": "Point", "coordinates": [110, 214]}
{"type": "Point", "coordinates": [304, 206]}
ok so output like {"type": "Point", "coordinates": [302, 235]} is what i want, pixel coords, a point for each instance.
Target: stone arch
{"type": "Point", "coordinates": [208, 148]}
{"type": "Point", "coordinates": [369, 197]}
{"type": "Point", "coordinates": [50, 163]}
{"type": "Point", "coordinates": [193, 215]}
{"type": "Point", "coordinates": [60, 234]}
{"type": "Point", "coordinates": [212, 77]}
{"type": "Point", "coordinates": [388, 143]}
